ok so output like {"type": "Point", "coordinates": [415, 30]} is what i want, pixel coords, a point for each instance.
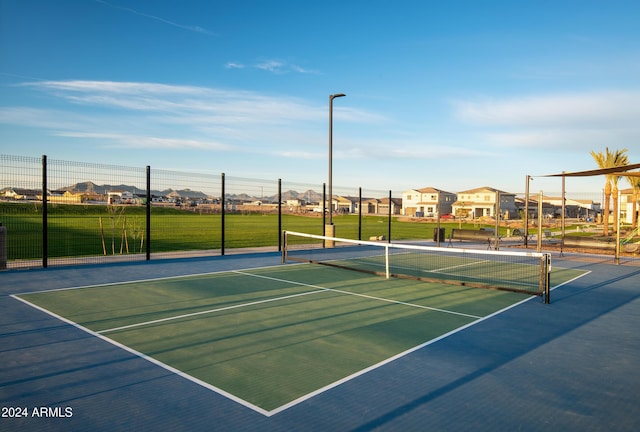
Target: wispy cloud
{"type": "Point", "coordinates": [192, 28]}
{"type": "Point", "coordinates": [272, 66]}
{"type": "Point", "coordinates": [151, 142]}
{"type": "Point", "coordinates": [555, 121]}
{"type": "Point", "coordinates": [151, 115]}
{"type": "Point", "coordinates": [564, 110]}
{"type": "Point", "coordinates": [302, 70]}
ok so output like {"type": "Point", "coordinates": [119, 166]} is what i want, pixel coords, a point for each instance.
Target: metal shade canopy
{"type": "Point", "coordinates": [620, 171]}
{"type": "Point", "coordinates": [628, 174]}
{"type": "Point", "coordinates": [613, 171]}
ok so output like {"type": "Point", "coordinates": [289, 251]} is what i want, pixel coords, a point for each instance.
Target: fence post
{"type": "Point", "coordinates": [3, 247]}
{"type": "Point", "coordinates": [45, 222]}
{"type": "Point", "coordinates": [390, 212]}
{"type": "Point", "coordinates": [222, 215]}
{"type": "Point", "coordinates": [540, 219]}
{"type": "Point", "coordinates": [279, 215]}
{"type": "Point", "coordinates": [496, 245]}
{"type": "Point", "coordinates": [148, 227]}
{"type": "Point", "coordinates": [324, 216]}
{"type": "Point", "coordinates": [360, 213]}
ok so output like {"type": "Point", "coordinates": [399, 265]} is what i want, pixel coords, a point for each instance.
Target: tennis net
{"type": "Point", "coordinates": [525, 272]}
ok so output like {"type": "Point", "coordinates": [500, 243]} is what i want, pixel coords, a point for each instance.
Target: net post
{"type": "Point", "coordinates": [386, 261]}
{"type": "Point", "coordinates": [547, 279]}
{"type": "Point", "coordinates": [284, 247]}
{"type": "Point", "coordinates": [545, 270]}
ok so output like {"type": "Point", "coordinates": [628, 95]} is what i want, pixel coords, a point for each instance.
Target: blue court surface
{"type": "Point", "coordinates": [572, 365]}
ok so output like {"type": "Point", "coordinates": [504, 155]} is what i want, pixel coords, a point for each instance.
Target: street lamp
{"type": "Point", "coordinates": [330, 229]}
{"type": "Point", "coordinates": [526, 212]}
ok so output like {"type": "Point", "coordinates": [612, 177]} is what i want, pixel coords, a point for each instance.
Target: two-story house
{"type": "Point", "coordinates": [425, 202]}
{"type": "Point", "coordinates": [479, 202]}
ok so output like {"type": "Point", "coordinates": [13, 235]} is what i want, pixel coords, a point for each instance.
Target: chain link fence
{"type": "Point", "coordinates": [57, 212]}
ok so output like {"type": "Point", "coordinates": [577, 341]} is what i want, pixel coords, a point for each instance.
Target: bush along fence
{"type": "Point", "coordinates": [56, 212]}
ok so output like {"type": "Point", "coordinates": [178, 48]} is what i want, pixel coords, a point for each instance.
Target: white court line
{"type": "Point", "coordinates": [149, 358]}
{"type": "Point", "coordinates": [366, 296]}
{"type": "Point", "coordinates": [208, 311]}
{"type": "Point", "coordinates": [318, 290]}
{"type": "Point", "coordinates": [443, 269]}
{"type": "Point", "coordinates": [297, 401]}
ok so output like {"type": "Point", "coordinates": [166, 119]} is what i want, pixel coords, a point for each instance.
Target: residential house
{"type": "Point", "coordinates": [66, 197]}
{"type": "Point", "coordinates": [396, 206]}
{"type": "Point", "coordinates": [380, 206]}
{"type": "Point", "coordinates": [120, 197]}
{"type": "Point", "coordinates": [22, 194]}
{"type": "Point", "coordinates": [426, 202]}
{"type": "Point", "coordinates": [583, 208]}
{"type": "Point", "coordinates": [345, 204]}
{"type": "Point", "coordinates": [481, 202]}
{"type": "Point", "coordinates": [340, 204]}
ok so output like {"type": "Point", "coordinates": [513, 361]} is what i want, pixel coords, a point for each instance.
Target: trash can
{"type": "Point", "coordinates": [438, 234]}
{"type": "Point", "coordinates": [3, 247]}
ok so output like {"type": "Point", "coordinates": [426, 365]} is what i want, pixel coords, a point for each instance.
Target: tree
{"type": "Point", "coordinates": [610, 159]}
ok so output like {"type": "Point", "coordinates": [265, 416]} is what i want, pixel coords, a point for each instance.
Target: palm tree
{"type": "Point", "coordinates": [609, 160]}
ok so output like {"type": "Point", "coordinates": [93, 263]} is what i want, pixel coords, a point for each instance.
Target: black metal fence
{"type": "Point", "coordinates": [57, 212]}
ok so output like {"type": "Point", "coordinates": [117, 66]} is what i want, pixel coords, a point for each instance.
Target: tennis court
{"type": "Point", "coordinates": [247, 343]}
{"type": "Point", "coordinates": [270, 338]}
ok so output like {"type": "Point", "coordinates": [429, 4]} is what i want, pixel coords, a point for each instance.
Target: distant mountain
{"type": "Point", "coordinates": [90, 187]}
{"type": "Point", "coordinates": [307, 196]}
{"type": "Point", "coordinates": [182, 193]}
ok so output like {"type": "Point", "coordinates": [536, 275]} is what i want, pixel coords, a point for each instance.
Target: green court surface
{"type": "Point", "coordinates": [269, 338]}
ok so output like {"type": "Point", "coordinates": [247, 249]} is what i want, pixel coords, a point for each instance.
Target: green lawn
{"type": "Point", "coordinates": [89, 230]}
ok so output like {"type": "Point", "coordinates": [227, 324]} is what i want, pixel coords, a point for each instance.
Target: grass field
{"type": "Point", "coordinates": [268, 337]}
{"type": "Point", "coordinates": [75, 230]}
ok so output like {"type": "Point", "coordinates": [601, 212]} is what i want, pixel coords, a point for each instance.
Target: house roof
{"type": "Point", "coordinates": [397, 201]}
{"type": "Point", "coordinates": [22, 191]}
{"type": "Point", "coordinates": [343, 199]}
{"type": "Point", "coordinates": [485, 189]}
{"type": "Point", "coordinates": [429, 189]}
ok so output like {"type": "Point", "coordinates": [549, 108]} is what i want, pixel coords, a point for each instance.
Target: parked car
{"type": "Point", "coordinates": [447, 216]}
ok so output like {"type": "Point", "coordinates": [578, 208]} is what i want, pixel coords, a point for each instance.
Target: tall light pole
{"type": "Point", "coordinates": [526, 212]}
{"type": "Point", "coordinates": [330, 230]}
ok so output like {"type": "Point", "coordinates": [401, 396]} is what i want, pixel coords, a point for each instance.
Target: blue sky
{"type": "Point", "coordinates": [454, 95]}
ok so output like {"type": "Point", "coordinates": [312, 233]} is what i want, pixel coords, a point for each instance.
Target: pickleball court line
{"type": "Point", "coordinates": [209, 311]}
{"type": "Point", "coordinates": [369, 297]}
{"type": "Point", "coordinates": [318, 289]}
